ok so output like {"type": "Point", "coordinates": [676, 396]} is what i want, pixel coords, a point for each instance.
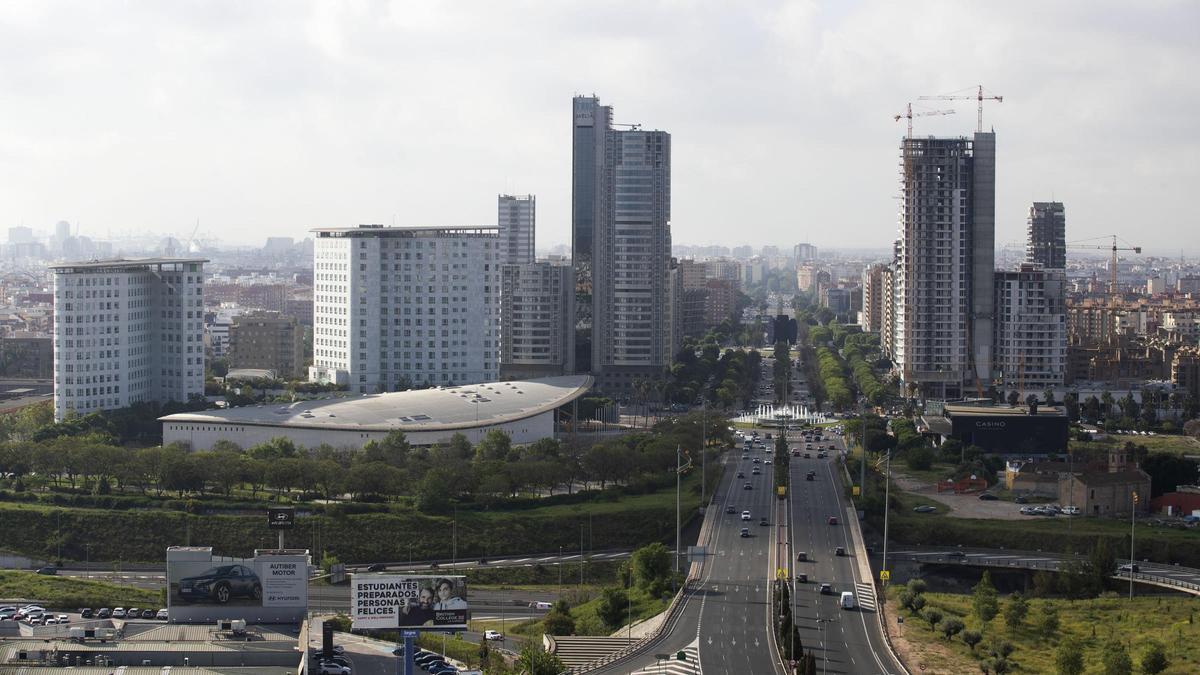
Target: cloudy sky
{"type": "Point", "coordinates": [269, 118]}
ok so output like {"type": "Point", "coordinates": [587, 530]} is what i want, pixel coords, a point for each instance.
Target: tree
{"type": "Point", "coordinates": [1115, 660]}
{"type": "Point", "coordinates": [558, 621]}
{"type": "Point", "coordinates": [934, 617]}
{"type": "Point", "coordinates": [495, 445]}
{"type": "Point", "coordinates": [613, 607]}
{"type": "Point", "coordinates": [651, 564]}
{"type": "Point", "coordinates": [537, 661]}
{"type": "Point", "coordinates": [1068, 658]}
{"type": "Point", "coordinates": [1016, 610]}
{"type": "Point", "coordinates": [972, 638]}
{"type": "Point", "coordinates": [983, 599]}
{"type": "Point", "coordinates": [1047, 623]}
{"type": "Point", "coordinates": [1154, 659]}
{"type": "Point", "coordinates": [1014, 397]}
{"type": "Point", "coordinates": [952, 627]}
{"type": "Point", "coordinates": [919, 459]}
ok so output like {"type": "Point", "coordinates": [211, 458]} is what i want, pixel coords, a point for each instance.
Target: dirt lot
{"type": "Point", "coordinates": [963, 506]}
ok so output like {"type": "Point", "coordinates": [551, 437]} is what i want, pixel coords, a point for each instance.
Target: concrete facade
{"type": "Point", "coordinates": [517, 219]}
{"type": "Point", "coordinates": [267, 340]}
{"type": "Point", "coordinates": [537, 307]}
{"type": "Point", "coordinates": [1031, 328]}
{"type": "Point", "coordinates": [1047, 236]}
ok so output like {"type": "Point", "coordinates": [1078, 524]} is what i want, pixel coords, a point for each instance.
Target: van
{"type": "Point", "coordinates": [847, 601]}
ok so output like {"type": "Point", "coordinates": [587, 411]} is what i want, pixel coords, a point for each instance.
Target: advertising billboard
{"type": "Point", "coordinates": [281, 517]}
{"type": "Point", "coordinates": [385, 601]}
{"type": "Point", "coordinates": [268, 587]}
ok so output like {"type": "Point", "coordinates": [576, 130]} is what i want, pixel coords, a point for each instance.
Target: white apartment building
{"type": "Point", "coordinates": [537, 310]}
{"type": "Point", "coordinates": [395, 307]}
{"type": "Point", "coordinates": [127, 331]}
{"type": "Point", "coordinates": [516, 216]}
{"type": "Point", "coordinates": [1031, 328]}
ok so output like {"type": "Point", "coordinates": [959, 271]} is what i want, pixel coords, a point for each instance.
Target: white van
{"type": "Point", "coordinates": [540, 605]}
{"type": "Point", "coordinates": [847, 601]}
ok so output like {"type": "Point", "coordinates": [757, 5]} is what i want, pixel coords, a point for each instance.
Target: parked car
{"type": "Point", "coordinates": [331, 668]}
{"type": "Point", "coordinates": [86, 613]}
{"type": "Point", "coordinates": [1072, 511]}
{"type": "Point", "coordinates": [221, 584]}
{"type": "Point", "coordinates": [104, 613]}
{"type": "Point", "coordinates": [988, 497]}
{"type": "Point", "coordinates": [133, 613]}
{"type": "Point", "coordinates": [118, 613]}
{"type": "Point", "coordinates": [147, 613]}
{"type": "Point", "coordinates": [925, 508]}
{"type": "Point", "coordinates": [161, 615]}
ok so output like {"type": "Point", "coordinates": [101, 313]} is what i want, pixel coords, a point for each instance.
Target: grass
{"type": "Point", "coordinates": [938, 472]}
{"type": "Point", "coordinates": [642, 606]}
{"type": "Point", "coordinates": [71, 593]}
{"type": "Point", "coordinates": [689, 502]}
{"type": "Point", "coordinates": [1167, 619]}
{"type": "Point", "coordinates": [1176, 445]}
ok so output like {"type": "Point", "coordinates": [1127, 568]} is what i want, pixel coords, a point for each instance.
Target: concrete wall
{"type": "Point", "coordinates": [202, 435]}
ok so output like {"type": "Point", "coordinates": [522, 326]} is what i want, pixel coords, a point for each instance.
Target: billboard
{"type": "Point", "coordinates": [385, 601]}
{"type": "Point", "coordinates": [281, 517]}
{"type": "Point", "coordinates": [268, 587]}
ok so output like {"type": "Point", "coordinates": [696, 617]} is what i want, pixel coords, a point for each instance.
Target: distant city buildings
{"type": "Point", "coordinates": [873, 298]}
{"type": "Point", "coordinates": [127, 331]}
{"type": "Point", "coordinates": [1047, 236]}
{"type": "Point", "coordinates": [395, 307]}
{"type": "Point", "coordinates": [804, 253]}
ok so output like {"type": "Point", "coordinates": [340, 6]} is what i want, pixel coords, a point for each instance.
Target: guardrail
{"type": "Point", "coordinates": [1042, 561]}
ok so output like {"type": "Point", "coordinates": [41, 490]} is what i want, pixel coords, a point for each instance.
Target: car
{"type": "Point", "coordinates": [833, 520]}
{"type": "Point", "coordinates": [925, 508]}
{"type": "Point", "coordinates": [161, 615]}
{"type": "Point", "coordinates": [147, 613]}
{"type": "Point", "coordinates": [766, 461]}
{"type": "Point", "coordinates": [802, 556]}
{"type": "Point", "coordinates": [755, 460]}
{"type": "Point", "coordinates": [1021, 500]}
{"type": "Point", "coordinates": [63, 618]}
{"type": "Point", "coordinates": [8, 616]}
{"type": "Point", "coordinates": [745, 515]}
{"type": "Point", "coordinates": [118, 613]}
{"type": "Point", "coordinates": [763, 521]}
{"type": "Point", "coordinates": [956, 554]}
{"type": "Point", "coordinates": [493, 635]}
{"type": "Point", "coordinates": [747, 486]}
{"type": "Point", "coordinates": [756, 472]}
{"type": "Point", "coordinates": [1030, 511]}
{"type": "Point", "coordinates": [221, 584]}
{"type": "Point", "coordinates": [442, 669]}
{"type": "Point", "coordinates": [745, 532]}
{"type": "Point", "coordinates": [48, 621]}
{"type": "Point", "coordinates": [104, 613]}
{"type": "Point", "coordinates": [398, 651]}
{"type": "Point", "coordinates": [840, 552]}
{"type": "Point", "coordinates": [133, 613]}
{"type": "Point", "coordinates": [331, 668]}
{"type": "Point", "coordinates": [730, 509]}
{"type": "Point", "coordinates": [826, 589]}
{"type": "Point", "coordinates": [48, 569]}
{"type": "Point", "coordinates": [1073, 511]}
{"type": "Point", "coordinates": [821, 455]}
{"type": "Point", "coordinates": [801, 578]}
{"type": "Point", "coordinates": [333, 658]}
{"type": "Point", "coordinates": [988, 497]}
{"type": "Point", "coordinates": [741, 474]}
{"type": "Point", "coordinates": [1129, 568]}
{"type": "Point", "coordinates": [808, 455]}
{"type": "Point", "coordinates": [86, 613]}
{"type": "Point", "coordinates": [847, 600]}
{"type": "Point", "coordinates": [426, 657]}
{"type": "Point", "coordinates": [377, 567]}
{"type": "Point", "coordinates": [745, 456]}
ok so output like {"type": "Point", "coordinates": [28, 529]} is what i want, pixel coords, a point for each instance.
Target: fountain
{"type": "Point", "coordinates": [768, 415]}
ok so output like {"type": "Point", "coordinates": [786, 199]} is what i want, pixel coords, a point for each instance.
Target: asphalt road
{"type": "Point", "coordinates": [844, 641]}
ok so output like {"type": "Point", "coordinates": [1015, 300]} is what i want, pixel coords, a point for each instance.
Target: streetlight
{"type": "Point", "coordinates": [887, 485]}
{"type": "Point", "coordinates": [1132, 521]}
{"type": "Point", "coordinates": [560, 564]}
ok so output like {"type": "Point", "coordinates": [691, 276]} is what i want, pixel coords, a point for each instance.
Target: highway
{"type": "Point", "coordinates": [842, 641]}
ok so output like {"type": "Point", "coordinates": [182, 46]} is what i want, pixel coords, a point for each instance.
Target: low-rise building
{"type": "Point", "coordinates": [1106, 493]}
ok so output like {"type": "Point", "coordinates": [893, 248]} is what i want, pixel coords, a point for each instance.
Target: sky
{"type": "Point", "coordinates": [269, 118]}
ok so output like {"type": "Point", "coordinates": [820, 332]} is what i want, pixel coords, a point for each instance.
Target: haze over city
{"type": "Point", "coordinates": [265, 119]}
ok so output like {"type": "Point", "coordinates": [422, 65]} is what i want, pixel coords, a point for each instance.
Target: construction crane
{"type": "Point", "coordinates": [908, 114]}
{"type": "Point", "coordinates": [978, 96]}
{"type": "Point", "coordinates": [1112, 264]}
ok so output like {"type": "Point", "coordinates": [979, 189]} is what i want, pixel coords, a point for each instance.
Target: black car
{"type": "Point", "coordinates": [988, 497]}
{"type": "Point", "coordinates": [730, 509]}
{"type": "Point", "coordinates": [377, 567]}
{"type": "Point", "coordinates": [148, 614]}
{"type": "Point", "coordinates": [86, 613]}
{"type": "Point", "coordinates": [221, 584]}
{"type": "Point", "coordinates": [741, 474]}
{"type": "Point", "coordinates": [747, 486]}
{"type": "Point", "coordinates": [763, 521]}
{"type": "Point", "coordinates": [104, 613]}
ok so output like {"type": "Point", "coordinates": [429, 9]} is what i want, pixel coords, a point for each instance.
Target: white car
{"type": "Point", "coordinates": [1070, 510]}
{"type": "Point", "coordinates": [745, 515]}
{"type": "Point", "coordinates": [161, 615]}
{"type": "Point", "coordinates": [493, 635]}
{"type": "Point", "coordinates": [118, 613]}
{"type": "Point", "coordinates": [331, 668]}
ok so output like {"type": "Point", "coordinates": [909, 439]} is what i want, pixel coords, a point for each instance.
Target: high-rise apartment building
{"type": "Point", "coordinates": [1031, 328]}
{"type": "Point", "coordinates": [517, 217]}
{"type": "Point", "coordinates": [945, 264]}
{"type": "Point", "coordinates": [127, 331]}
{"type": "Point", "coordinates": [590, 187]}
{"type": "Point", "coordinates": [804, 253]}
{"type": "Point", "coordinates": [267, 340]}
{"type": "Point", "coordinates": [395, 307]}
{"type": "Point", "coordinates": [723, 268]}
{"type": "Point", "coordinates": [887, 313]}
{"type": "Point", "coordinates": [537, 318]}
{"type": "Point", "coordinates": [1047, 240]}
{"type": "Point", "coordinates": [621, 247]}
{"type": "Point", "coordinates": [873, 298]}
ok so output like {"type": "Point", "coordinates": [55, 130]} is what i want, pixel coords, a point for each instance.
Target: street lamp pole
{"type": "Point", "coordinates": [887, 485]}
{"type": "Point", "coordinates": [1132, 521]}
{"type": "Point", "coordinates": [678, 520]}
{"type": "Point", "coordinates": [703, 454]}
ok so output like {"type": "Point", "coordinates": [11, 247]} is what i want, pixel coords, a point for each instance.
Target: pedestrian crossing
{"type": "Point", "coordinates": [865, 594]}
{"type": "Point", "coordinates": [689, 666]}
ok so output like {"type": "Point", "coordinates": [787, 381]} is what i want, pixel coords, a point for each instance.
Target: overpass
{"type": "Point", "coordinates": [1175, 577]}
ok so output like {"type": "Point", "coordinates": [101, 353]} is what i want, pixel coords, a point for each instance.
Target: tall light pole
{"type": "Point", "coordinates": [703, 454]}
{"type": "Point", "coordinates": [560, 564]}
{"type": "Point", "coordinates": [887, 485]}
{"type": "Point", "coordinates": [1132, 521]}
{"type": "Point", "coordinates": [678, 521]}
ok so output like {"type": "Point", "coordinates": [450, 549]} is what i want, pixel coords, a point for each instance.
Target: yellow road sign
{"type": "Point", "coordinates": [855, 490]}
{"type": "Point", "coordinates": [884, 575]}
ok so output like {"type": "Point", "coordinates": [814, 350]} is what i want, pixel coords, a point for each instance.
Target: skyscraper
{"type": "Point", "coordinates": [621, 237]}
{"type": "Point", "coordinates": [589, 190]}
{"type": "Point", "coordinates": [1047, 229]}
{"type": "Point", "coordinates": [517, 218]}
{"type": "Point", "coordinates": [537, 317]}
{"type": "Point", "coordinates": [1031, 328]}
{"type": "Point", "coordinates": [127, 331]}
{"type": "Point", "coordinates": [945, 264]}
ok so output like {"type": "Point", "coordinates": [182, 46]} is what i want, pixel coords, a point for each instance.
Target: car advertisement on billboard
{"type": "Point", "coordinates": [384, 601]}
{"type": "Point", "coordinates": [214, 587]}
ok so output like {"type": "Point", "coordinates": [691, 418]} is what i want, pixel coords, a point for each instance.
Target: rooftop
{"type": "Point", "coordinates": [122, 263]}
{"type": "Point", "coordinates": [408, 231]}
{"type": "Point", "coordinates": [1095, 478]}
{"type": "Point", "coordinates": [438, 409]}
{"type": "Point", "coordinates": [1003, 410]}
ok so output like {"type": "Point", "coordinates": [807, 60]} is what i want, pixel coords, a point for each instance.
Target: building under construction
{"type": "Point", "coordinates": [944, 297]}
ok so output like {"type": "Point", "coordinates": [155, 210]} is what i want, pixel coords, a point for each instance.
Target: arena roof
{"type": "Point", "coordinates": [438, 409]}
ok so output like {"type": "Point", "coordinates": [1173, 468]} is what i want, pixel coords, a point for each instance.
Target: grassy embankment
{"type": "Point", "coordinates": [69, 593]}
{"type": "Point", "coordinates": [1169, 620]}
{"type": "Point", "coordinates": [608, 521]}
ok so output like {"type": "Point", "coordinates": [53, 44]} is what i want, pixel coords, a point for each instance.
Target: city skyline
{"type": "Point", "coordinates": [297, 131]}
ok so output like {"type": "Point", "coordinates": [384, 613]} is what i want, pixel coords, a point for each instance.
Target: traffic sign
{"type": "Point", "coordinates": [856, 490]}
{"type": "Point", "coordinates": [884, 575]}
{"type": "Point", "coordinates": [410, 633]}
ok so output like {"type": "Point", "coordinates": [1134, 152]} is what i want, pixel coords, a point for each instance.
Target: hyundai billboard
{"type": "Point", "coordinates": [272, 586]}
{"type": "Point", "coordinates": [386, 601]}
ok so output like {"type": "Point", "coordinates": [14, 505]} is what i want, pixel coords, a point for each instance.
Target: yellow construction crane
{"type": "Point", "coordinates": [908, 114]}
{"type": "Point", "coordinates": [1112, 264]}
{"type": "Point", "coordinates": [977, 96]}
